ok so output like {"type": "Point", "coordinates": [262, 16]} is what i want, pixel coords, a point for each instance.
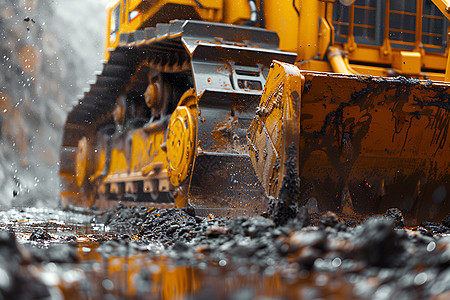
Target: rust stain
{"type": "Point", "coordinates": [223, 134]}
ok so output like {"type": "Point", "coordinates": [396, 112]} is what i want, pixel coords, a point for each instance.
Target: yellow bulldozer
{"type": "Point", "coordinates": [226, 106]}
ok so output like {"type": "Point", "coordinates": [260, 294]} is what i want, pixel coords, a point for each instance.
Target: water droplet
{"type": "Point", "coordinates": [321, 280]}
{"type": "Point", "coordinates": [50, 278]}
{"type": "Point", "coordinates": [107, 284]}
{"type": "Point", "coordinates": [336, 262]}
{"type": "Point", "coordinates": [4, 279]}
{"type": "Point", "coordinates": [420, 278]}
{"type": "Point", "coordinates": [431, 246]}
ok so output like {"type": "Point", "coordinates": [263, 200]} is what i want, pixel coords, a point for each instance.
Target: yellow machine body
{"type": "Point", "coordinates": [358, 133]}
{"type": "Point", "coordinates": [369, 33]}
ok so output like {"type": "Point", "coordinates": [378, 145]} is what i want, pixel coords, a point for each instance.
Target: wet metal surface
{"type": "Point", "coordinates": [363, 142]}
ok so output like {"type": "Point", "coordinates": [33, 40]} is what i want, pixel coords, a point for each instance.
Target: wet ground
{"type": "Point", "coordinates": [141, 253]}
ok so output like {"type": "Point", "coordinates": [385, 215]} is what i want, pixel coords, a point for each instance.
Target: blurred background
{"type": "Point", "coordinates": [49, 51]}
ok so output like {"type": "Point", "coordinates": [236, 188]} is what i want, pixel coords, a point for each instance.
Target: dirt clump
{"type": "Point", "coordinates": [16, 282]}
{"type": "Point", "coordinates": [40, 235]}
{"type": "Point", "coordinates": [397, 216]}
{"type": "Point", "coordinates": [415, 262]}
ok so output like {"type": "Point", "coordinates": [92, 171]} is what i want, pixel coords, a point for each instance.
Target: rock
{"type": "Point", "coordinates": [303, 217]}
{"type": "Point", "coordinates": [434, 228]}
{"type": "Point", "coordinates": [446, 221]}
{"type": "Point", "coordinates": [315, 238]}
{"type": "Point", "coordinates": [284, 211]}
{"type": "Point", "coordinates": [16, 281]}
{"type": "Point", "coordinates": [307, 256]}
{"type": "Point", "coordinates": [180, 247]}
{"type": "Point", "coordinates": [56, 253]}
{"type": "Point", "coordinates": [288, 196]}
{"type": "Point", "coordinates": [377, 242]}
{"type": "Point", "coordinates": [396, 215]}
{"type": "Point", "coordinates": [40, 235]}
{"type": "Point", "coordinates": [329, 219]}
{"type": "Point", "coordinates": [257, 226]}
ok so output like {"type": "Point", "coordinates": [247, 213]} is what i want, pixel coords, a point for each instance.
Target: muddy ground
{"type": "Point", "coordinates": [142, 253]}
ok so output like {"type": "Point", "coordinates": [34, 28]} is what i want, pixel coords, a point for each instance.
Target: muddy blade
{"type": "Point", "coordinates": [223, 181]}
{"type": "Point", "coordinates": [226, 185]}
{"type": "Point", "coordinates": [366, 144]}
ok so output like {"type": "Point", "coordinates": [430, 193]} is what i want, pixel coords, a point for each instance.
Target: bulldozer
{"type": "Point", "coordinates": [228, 106]}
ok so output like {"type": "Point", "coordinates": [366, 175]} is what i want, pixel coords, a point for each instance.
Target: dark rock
{"type": "Point", "coordinates": [180, 247]}
{"type": "Point", "coordinates": [434, 228]}
{"type": "Point", "coordinates": [329, 219]}
{"type": "Point", "coordinates": [424, 231]}
{"type": "Point", "coordinates": [396, 215]}
{"type": "Point", "coordinates": [314, 238]}
{"type": "Point", "coordinates": [446, 221]}
{"type": "Point", "coordinates": [216, 231]}
{"type": "Point", "coordinates": [377, 242]}
{"type": "Point", "coordinates": [284, 211]}
{"type": "Point", "coordinates": [307, 257]}
{"type": "Point", "coordinates": [257, 226]}
{"type": "Point", "coordinates": [55, 253]}
{"type": "Point", "coordinates": [242, 251]}
{"type": "Point", "coordinates": [17, 282]}
{"type": "Point", "coordinates": [40, 235]}
{"type": "Point", "coordinates": [172, 229]}
{"type": "Point", "coordinates": [303, 217]}
{"type": "Point", "coordinates": [288, 196]}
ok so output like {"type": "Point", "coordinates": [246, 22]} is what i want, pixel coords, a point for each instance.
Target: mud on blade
{"type": "Point", "coordinates": [364, 144]}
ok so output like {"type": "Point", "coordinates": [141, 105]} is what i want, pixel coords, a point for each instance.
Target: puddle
{"type": "Point", "coordinates": [68, 257]}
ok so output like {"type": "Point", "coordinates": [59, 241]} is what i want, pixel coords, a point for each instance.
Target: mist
{"type": "Point", "coordinates": [49, 51]}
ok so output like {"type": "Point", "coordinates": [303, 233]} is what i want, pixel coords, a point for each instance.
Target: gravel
{"type": "Point", "coordinates": [378, 256]}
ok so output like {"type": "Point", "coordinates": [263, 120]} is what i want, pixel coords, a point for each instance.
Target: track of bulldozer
{"type": "Point", "coordinates": [156, 48]}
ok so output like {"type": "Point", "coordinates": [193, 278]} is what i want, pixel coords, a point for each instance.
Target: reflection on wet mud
{"type": "Point", "coordinates": [146, 277]}
{"type": "Point", "coordinates": [65, 255]}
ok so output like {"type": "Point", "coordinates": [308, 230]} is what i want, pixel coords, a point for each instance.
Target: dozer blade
{"type": "Point", "coordinates": [229, 78]}
{"type": "Point", "coordinates": [223, 181]}
{"type": "Point", "coordinates": [226, 185]}
{"type": "Point", "coordinates": [361, 144]}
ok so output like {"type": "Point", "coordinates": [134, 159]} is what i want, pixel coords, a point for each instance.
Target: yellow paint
{"type": "Point", "coordinates": [181, 140]}
{"type": "Point", "coordinates": [81, 161]}
{"type": "Point", "coordinates": [211, 10]}
{"type": "Point", "coordinates": [100, 166]}
{"type": "Point", "coordinates": [118, 162]}
{"type": "Point", "coordinates": [279, 112]}
{"type": "Point", "coordinates": [308, 30]}
{"type": "Point", "coordinates": [236, 11]}
{"type": "Point", "coordinates": [284, 20]}
{"type": "Point", "coordinates": [138, 153]}
{"type": "Point", "coordinates": [407, 62]}
{"type": "Point", "coordinates": [337, 61]}
{"type": "Point", "coordinates": [304, 27]}
{"type": "Point", "coordinates": [324, 37]}
{"type": "Point", "coordinates": [444, 7]}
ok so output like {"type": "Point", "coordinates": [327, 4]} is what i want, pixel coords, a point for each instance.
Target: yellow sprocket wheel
{"type": "Point", "coordinates": [181, 140]}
